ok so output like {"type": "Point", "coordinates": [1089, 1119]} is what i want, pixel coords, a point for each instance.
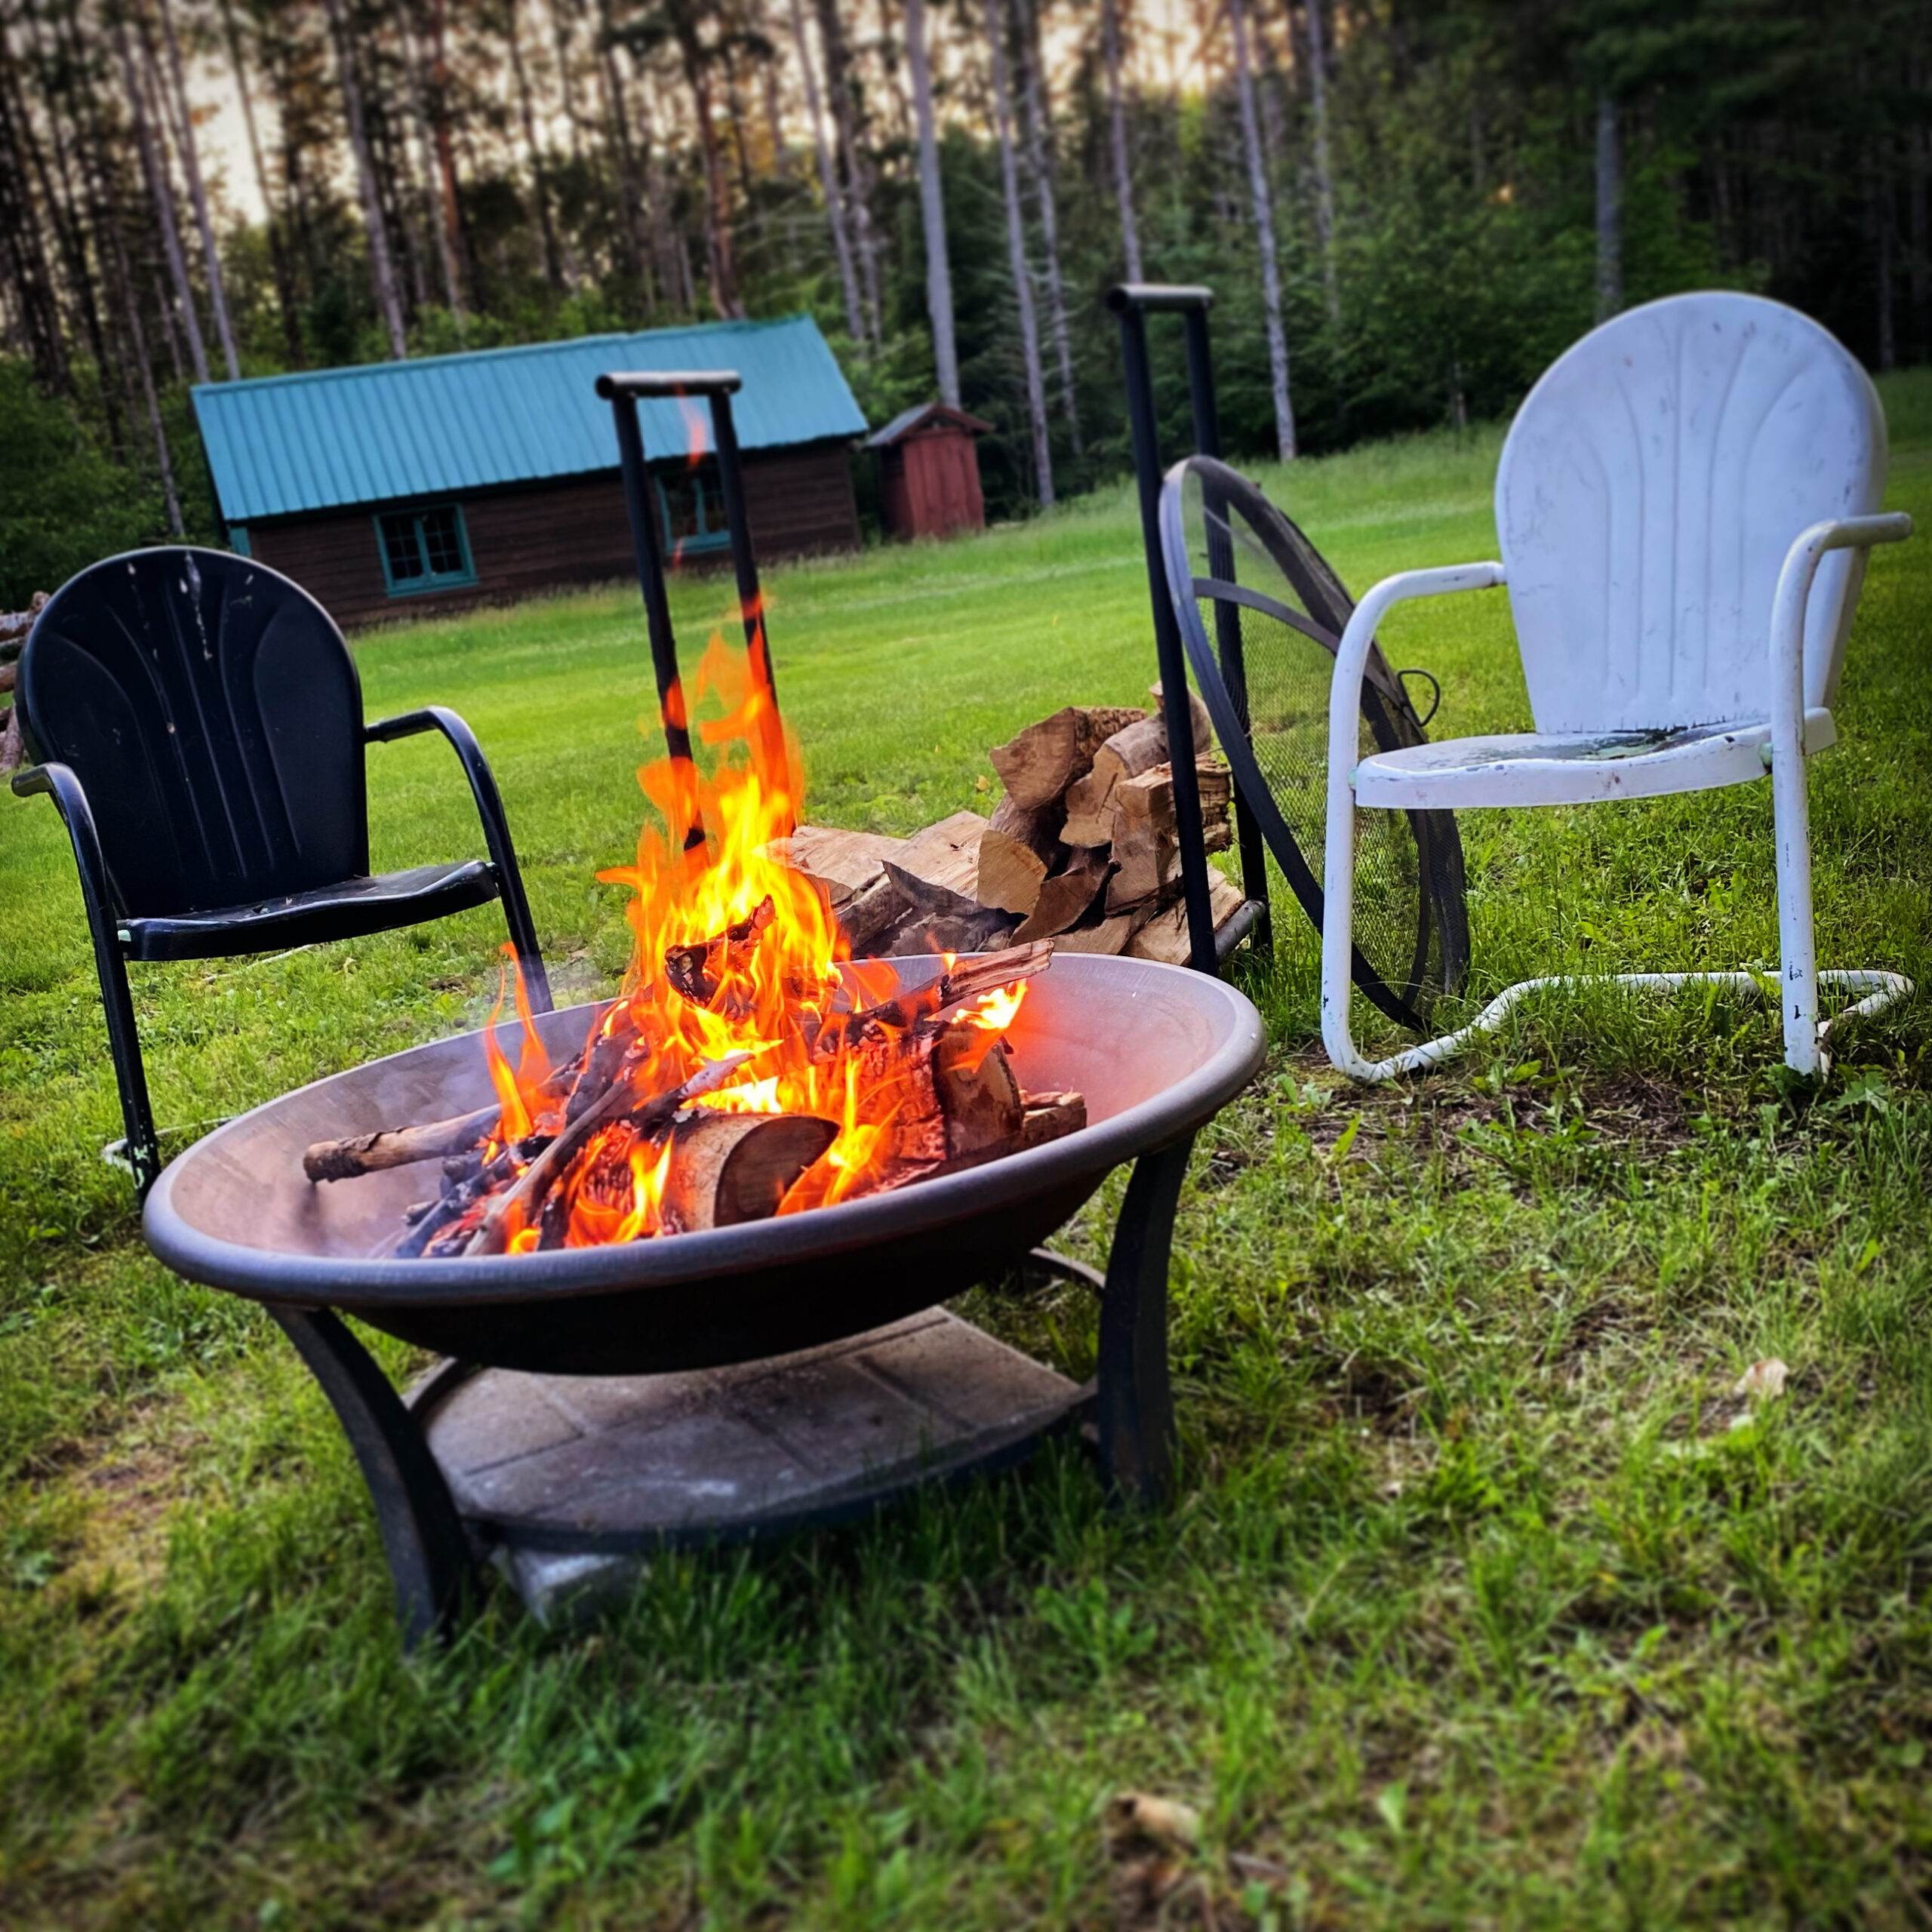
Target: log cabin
{"type": "Point", "coordinates": [399, 489]}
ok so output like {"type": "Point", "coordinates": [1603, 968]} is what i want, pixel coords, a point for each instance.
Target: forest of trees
{"type": "Point", "coordinates": [1406, 207]}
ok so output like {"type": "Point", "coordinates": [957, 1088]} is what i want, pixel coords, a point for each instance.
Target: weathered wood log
{"type": "Point", "coordinates": [973, 1082]}
{"type": "Point", "coordinates": [726, 1169]}
{"type": "Point", "coordinates": [9, 674]}
{"type": "Point", "coordinates": [1108, 936]}
{"type": "Point", "coordinates": [984, 929]}
{"type": "Point", "coordinates": [1010, 874]}
{"type": "Point", "coordinates": [1039, 763]}
{"type": "Point", "coordinates": [398, 1147]}
{"type": "Point", "coordinates": [868, 920]}
{"type": "Point", "coordinates": [945, 855]}
{"type": "Point", "coordinates": [13, 745]}
{"type": "Point", "coordinates": [1063, 900]}
{"type": "Point", "coordinates": [846, 864]}
{"type": "Point", "coordinates": [522, 1202]}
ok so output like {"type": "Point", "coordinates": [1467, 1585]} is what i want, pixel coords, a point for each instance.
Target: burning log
{"type": "Point", "coordinates": [399, 1146]}
{"type": "Point", "coordinates": [698, 971]}
{"type": "Point", "coordinates": [647, 1119]}
{"type": "Point", "coordinates": [729, 1168]}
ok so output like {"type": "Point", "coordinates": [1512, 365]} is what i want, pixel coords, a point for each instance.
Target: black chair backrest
{"type": "Point", "coordinates": [214, 717]}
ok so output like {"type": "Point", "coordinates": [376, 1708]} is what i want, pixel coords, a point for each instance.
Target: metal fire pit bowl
{"type": "Point", "coordinates": [1156, 1050]}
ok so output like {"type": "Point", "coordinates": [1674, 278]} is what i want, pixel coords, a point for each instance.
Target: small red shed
{"type": "Point", "coordinates": [929, 471]}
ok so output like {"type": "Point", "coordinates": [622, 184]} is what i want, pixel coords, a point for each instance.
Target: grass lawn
{"type": "Point", "coordinates": [1483, 1600]}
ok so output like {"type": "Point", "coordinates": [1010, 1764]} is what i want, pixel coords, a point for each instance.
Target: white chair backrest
{"type": "Point", "coordinates": [1649, 489]}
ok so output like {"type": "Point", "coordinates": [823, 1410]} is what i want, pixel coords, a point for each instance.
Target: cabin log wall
{"type": "Point", "coordinates": [538, 538]}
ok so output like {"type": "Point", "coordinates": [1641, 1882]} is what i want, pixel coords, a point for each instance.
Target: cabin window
{"type": "Point", "coordinates": [424, 549]}
{"type": "Point", "coordinates": [691, 511]}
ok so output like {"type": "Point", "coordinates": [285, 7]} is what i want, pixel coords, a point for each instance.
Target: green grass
{"type": "Point", "coordinates": [1483, 1600]}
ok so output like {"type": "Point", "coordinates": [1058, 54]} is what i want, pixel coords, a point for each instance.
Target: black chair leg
{"type": "Point", "coordinates": [1135, 1409]}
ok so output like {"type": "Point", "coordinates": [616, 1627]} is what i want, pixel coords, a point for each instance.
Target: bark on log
{"type": "Point", "coordinates": [974, 1081]}
{"type": "Point", "coordinates": [698, 970]}
{"type": "Point", "coordinates": [1036, 827]}
{"type": "Point", "coordinates": [398, 1147]}
{"type": "Point", "coordinates": [1039, 763]}
{"type": "Point", "coordinates": [868, 920]}
{"type": "Point", "coordinates": [1063, 900]}
{"type": "Point", "coordinates": [1204, 725]}
{"type": "Point", "coordinates": [726, 1169]}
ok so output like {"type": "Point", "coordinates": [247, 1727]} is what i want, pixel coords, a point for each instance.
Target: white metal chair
{"type": "Point", "coordinates": [1685, 501]}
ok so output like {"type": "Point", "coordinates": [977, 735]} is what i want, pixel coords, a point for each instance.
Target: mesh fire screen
{"type": "Point", "coordinates": [1262, 614]}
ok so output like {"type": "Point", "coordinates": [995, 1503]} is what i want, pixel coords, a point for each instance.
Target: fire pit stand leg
{"type": "Point", "coordinates": [423, 1536]}
{"type": "Point", "coordinates": [1135, 1409]}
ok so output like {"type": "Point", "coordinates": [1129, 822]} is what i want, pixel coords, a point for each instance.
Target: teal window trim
{"type": "Point", "coordinates": [711, 533]}
{"type": "Point", "coordinates": [430, 578]}
{"type": "Point", "coordinates": [237, 540]}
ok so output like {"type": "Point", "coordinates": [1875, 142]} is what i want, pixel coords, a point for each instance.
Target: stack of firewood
{"type": "Point", "coordinates": [1082, 850]}
{"type": "Point", "coordinates": [14, 625]}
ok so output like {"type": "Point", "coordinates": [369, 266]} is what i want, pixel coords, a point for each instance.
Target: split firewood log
{"type": "Point", "coordinates": [1038, 763]}
{"type": "Point", "coordinates": [1146, 847]}
{"type": "Point", "coordinates": [1011, 876]}
{"type": "Point", "coordinates": [9, 672]}
{"type": "Point", "coordinates": [1126, 755]}
{"type": "Point", "coordinates": [1204, 725]}
{"type": "Point", "coordinates": [1108, 936]}
{"type": "Point", "coordinates": [1064, 899]}
{"type": "Point", "coordinates": [13, 745]}
{"type": "Point", "coordinates": [1049, 1116]}
{"type": "Point", "coordinates": [726, 1169]}
{"type": "Point", "coordinates": [945, 855]}
{"type": "Point", "coordinates": [1161, 932]}
{"type": "Point", "coordinates": [846, 865]}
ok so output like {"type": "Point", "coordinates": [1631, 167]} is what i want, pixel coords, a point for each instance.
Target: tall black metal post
{"type": "Point", "coordinates": [1131, 303]}
{"type": "Point", "coordinates": [1227, 619]}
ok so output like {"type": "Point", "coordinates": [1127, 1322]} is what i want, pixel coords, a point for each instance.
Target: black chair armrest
{"type": "Point", "coordinates": [62, 783]}
{"type": "Point", "coordinates": [496, 829]}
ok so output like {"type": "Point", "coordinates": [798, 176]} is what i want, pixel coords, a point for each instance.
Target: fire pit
{"type": "Point", "coordinates": [1156, 1050]}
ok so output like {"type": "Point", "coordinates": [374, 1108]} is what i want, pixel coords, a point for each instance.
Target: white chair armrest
{"type": "Point", "coordinates": [1338, 871]}
{"type": "Point", "coordinates": [1788, 607]}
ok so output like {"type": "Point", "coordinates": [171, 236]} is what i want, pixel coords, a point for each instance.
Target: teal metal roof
{"type": "Point", "coordinates": [383, 431]}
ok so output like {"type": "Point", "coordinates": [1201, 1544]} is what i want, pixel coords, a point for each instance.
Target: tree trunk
{"type": "Point", "coordinates": [191, 167]}
{"type": "Point", "coordinates": [630, 189]}
{"type": "Point", "coordinates": [284, 288]}
{"type": "Point", "coordinates": [723, 272]}
{"type": "Point", "coordinates": [1130, 234]}
{"type": "Point", "coordinates": [1039, 151]}
{"type": "Point", "coordinates": [162, 193]}
{"type": "Point", "coordinates": [844, 119]}
{"type": "Point", "coordinates": [1325, 179]}
{"type": "Point", "coordinates": [932, 208]}
{"type": "Point", "coordinates": [1264, 231]}
{"type": "Point", "coordinates": [439, 85]}
{"type": "Point", "coordinates": [425, 141]}
{"type": "Point", "coordinates": [546, 228]}
{"type": "Point", "coordinates": [382, 271]}
{"type": "Point", "coordinates": [1610, 207]}
{"type": "Point", "coordinates": [673, 270]}
{"type": "Point", "coordinates": [1016, 245]}
{"type": "Point", "coordinates": [828, 176]}
{"type": "Point", "coordinates": [774, 114]}
{"type": "Point", "coordinates": [28, 271]}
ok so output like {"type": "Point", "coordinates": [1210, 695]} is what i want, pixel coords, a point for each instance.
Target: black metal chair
{"type": "Point", "coordinates": [197, 719]}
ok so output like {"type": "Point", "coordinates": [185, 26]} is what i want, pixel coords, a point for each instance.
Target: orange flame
{"type": "Point", "coordinates": [777, 985]}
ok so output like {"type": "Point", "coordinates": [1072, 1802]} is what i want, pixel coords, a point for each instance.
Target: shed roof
{"type": "Point", "coordinates": [380, 432]}
{"type": "Point", "coordinates": [918, 415]}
